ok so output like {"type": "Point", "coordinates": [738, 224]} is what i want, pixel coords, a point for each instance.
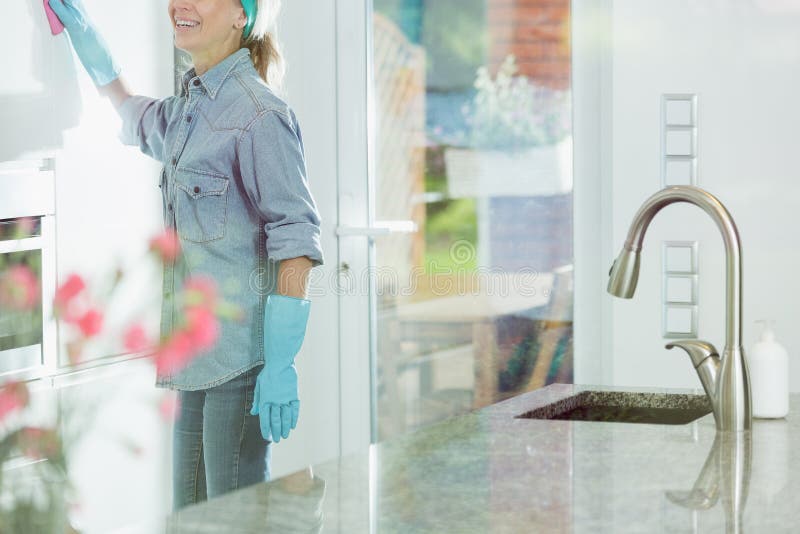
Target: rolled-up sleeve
{"type": "Point", "coordinates": [144, 123]}
{"type": "Point", "coordinates": [273, 170]}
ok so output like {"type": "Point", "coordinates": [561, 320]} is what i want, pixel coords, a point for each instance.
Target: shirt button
{"type": "Point", "coordinates": [174, 161]}
{"type": "Point", "coordinates": [169, 206]}
{"type": "Point", "coordinates": [196, 189]}
{"type": "Point", "coordinates": [196, 82]}
{"type": "Point", "coordinates": [188, 118]}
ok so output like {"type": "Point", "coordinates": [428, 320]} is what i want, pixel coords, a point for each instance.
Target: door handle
{"type": "Point", "coordinates": [378, 228]}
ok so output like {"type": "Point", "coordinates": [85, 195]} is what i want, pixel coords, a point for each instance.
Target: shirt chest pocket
{"type": "Point", "coordinates": [201, 204]}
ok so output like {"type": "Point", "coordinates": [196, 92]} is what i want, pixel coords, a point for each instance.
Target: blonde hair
{"type": "Point", "coordinates": [265, 51]}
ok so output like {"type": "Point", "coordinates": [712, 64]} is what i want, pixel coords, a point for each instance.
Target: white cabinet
{"type": "Point", "coordinates": [118, 445]}
{"type": "Point", "coordinates": [107, 196]}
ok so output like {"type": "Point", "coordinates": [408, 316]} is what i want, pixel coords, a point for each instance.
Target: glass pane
{"type": "Point", "coordinates": [20, 310]}
{"type": "Point", "coordinates": [20, 228]}
{"type": "Point", "coordinates": [473, 143]}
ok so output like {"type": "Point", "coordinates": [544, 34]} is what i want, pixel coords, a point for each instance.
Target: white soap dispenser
{"type": "Point", "coordinates": [768, 363]}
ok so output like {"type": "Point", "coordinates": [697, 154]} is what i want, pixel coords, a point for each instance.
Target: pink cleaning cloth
{"type": "Point", "coordinates": [55, 24]}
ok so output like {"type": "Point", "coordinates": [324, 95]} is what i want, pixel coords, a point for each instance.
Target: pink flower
{"type": "Point", "coordinates": [135, 338]}
{"type": "Point", "coordinates": [175, 353]}
{"type": "Point", "coordinates": [200, 290]}
{"type": "Point", "coordinates": [65, 293]}
{"type": "Point", "coordinates": [90, 322]}
{"type": "Point", "coordinates": [14, 396]}
{"type": "Point", "coordinates": [166, 245]}
{"type": "Point", "coordinates": [19, 288]}
{"type": "Point", "coordinates": [202, 327]}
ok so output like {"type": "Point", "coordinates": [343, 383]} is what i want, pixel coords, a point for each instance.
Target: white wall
{"type": "Point", "coordinates": [307, 31]}
{"type": "Point", "coordinates": [741, 59]}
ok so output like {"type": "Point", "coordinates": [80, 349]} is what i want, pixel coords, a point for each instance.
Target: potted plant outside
{"type": "Point", "coordinates": [518, 141]}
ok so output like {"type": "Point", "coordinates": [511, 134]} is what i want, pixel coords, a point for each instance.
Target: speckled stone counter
{"type": "Point", "coordinates": [489, 471]}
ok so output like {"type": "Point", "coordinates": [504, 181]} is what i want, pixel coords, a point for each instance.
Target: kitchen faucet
{"type": "Point", "coordinates": [725, 380]}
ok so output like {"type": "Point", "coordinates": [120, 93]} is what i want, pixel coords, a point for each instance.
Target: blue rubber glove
{"type": "Point", "coordinates": [87, 42]}
{"type": "Point", "coordinates": [275, 398]}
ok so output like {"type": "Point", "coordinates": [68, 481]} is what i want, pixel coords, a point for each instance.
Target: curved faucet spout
{"type": "Point", "coordinates": [730, 235]}
{"type": "Point", "coordinates": [732, 384]}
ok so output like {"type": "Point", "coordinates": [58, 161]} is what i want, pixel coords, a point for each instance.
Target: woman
{"type": "Point", "coordinates": [234, 189]}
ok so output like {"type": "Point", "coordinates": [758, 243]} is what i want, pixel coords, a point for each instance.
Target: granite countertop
{"type": "Point", "coordinates": [488, 471]}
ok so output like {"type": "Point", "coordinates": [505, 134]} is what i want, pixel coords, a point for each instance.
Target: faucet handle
{"type": "Point", "coordinates": [707, 364]}
{"type": "Point", "coordinates": [698, 350]}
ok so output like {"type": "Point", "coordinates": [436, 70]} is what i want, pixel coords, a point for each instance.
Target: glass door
{"type": "Point", "coordinates": [471, 205]}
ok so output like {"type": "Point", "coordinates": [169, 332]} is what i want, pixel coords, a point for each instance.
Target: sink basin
{"type": "Point", "coordinates": [625, 407]}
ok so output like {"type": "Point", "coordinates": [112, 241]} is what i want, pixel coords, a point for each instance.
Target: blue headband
{"type": "Point", "coordinates": [250, 8]}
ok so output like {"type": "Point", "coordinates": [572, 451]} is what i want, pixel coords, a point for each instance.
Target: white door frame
{"type": "Point", "coordinates": [355, 125]}
{"type": "Point", "coordinates": [592, 196]}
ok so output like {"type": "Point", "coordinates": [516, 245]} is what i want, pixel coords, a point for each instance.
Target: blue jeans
{"type": "Point", "coordinates": [217, 444]}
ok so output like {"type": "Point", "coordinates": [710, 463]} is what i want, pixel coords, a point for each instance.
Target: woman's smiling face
{"type": "Point", "coordinates": [203, 27]}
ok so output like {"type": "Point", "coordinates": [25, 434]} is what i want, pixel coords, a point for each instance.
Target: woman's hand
{"type": "Point", "coordinates": [87, 42]}
{"type": "Point", "coordinates": [275, 399]}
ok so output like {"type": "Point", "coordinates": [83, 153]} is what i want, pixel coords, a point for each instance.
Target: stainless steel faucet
{"type": "Point", "coordinates": [725, 380]}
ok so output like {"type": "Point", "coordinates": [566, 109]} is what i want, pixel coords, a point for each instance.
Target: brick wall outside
{"type": "Point", "coordinates": [537, 231]}
{"type": "Point", "coordinates": [537, 32]}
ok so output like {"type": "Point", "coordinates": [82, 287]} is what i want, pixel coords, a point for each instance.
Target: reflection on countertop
{"type": "Point", "coordinates": [293, 503]}
{"type": "Point", "coordinates": [489, 471]}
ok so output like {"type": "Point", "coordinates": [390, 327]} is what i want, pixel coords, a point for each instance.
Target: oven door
{"type": "Point", "coordinates": [28, 335]}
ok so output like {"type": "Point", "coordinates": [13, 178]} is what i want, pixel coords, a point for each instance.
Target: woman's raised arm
{"type": "Point", "coordinates": [144, 119]}
{"type": "Point", "coordinates": [117, 91]}
{"type": "Point", "coordinates": [87, 41]}
{"type": "Point", "coordinates": [92, 50]}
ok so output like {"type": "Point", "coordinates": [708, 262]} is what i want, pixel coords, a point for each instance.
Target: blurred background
{"type": "Point", "coordinates": [473, 146]}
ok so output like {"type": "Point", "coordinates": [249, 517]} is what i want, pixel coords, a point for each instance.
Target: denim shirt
{"type": "Point", "coordinates": [234, 188]}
